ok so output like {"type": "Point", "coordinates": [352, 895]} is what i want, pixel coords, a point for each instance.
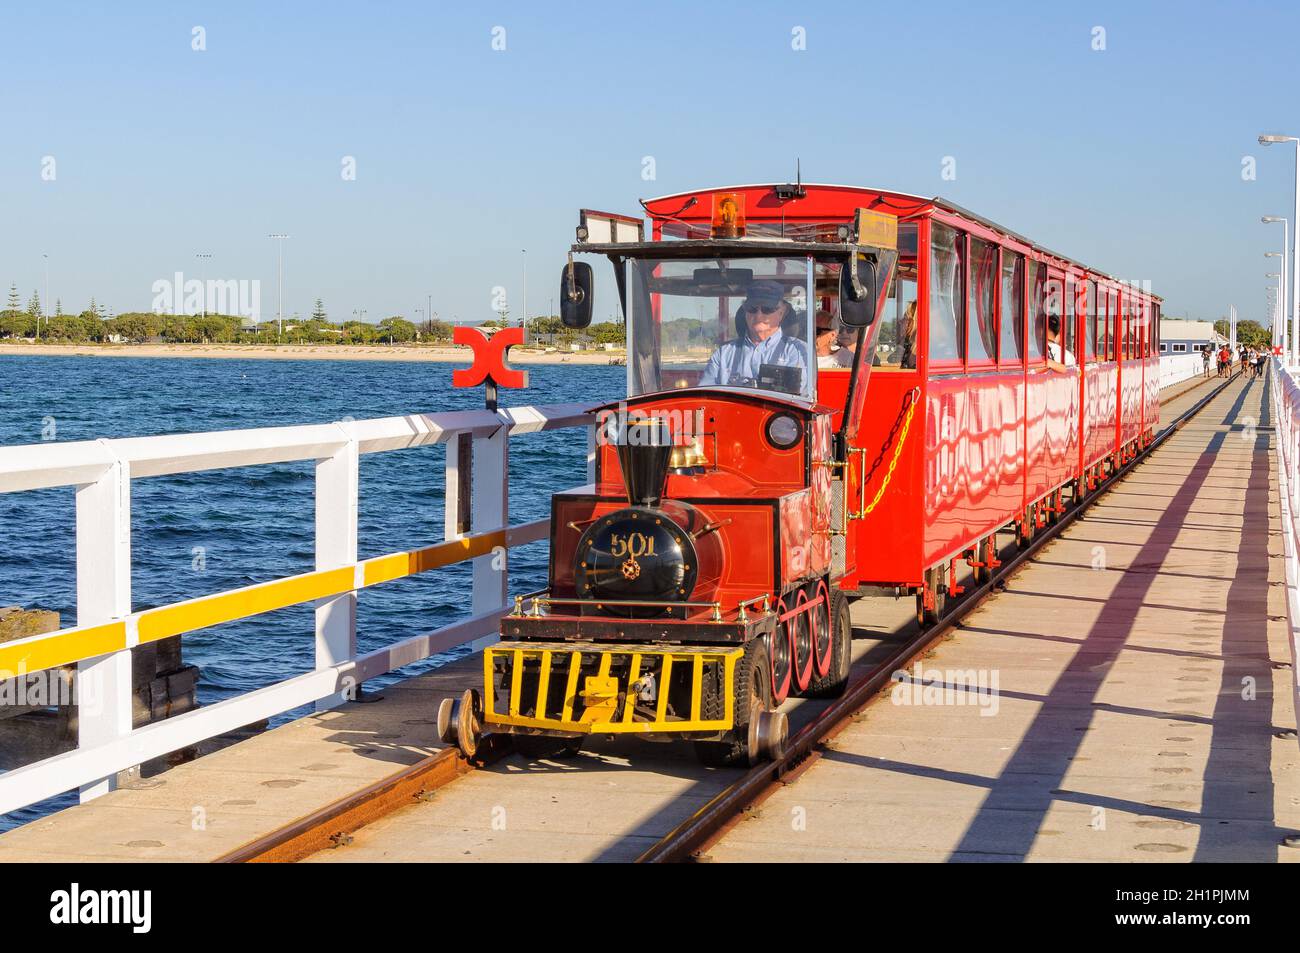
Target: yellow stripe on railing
{"type": "Point", "coordinates": [388, 568]}
{"type": "Point", "coordinates": [61, 648]}
{"type": "Point", "coordinates": [73, 645]}
{"type": "Point", "coordinates": [199, 613]}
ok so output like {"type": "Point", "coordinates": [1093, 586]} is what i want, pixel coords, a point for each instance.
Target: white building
{"type": "Point", "coordinates": [1179, 337]}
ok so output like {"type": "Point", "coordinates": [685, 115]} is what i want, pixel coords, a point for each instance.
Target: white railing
{"type": "Point", "coordinates": [1286, 434]}
{"type": "Point", "coordinates": [100, 644]}
{"type": "Point", "coordinates": [1175, 368]}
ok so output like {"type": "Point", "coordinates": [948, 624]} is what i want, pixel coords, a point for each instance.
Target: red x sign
{"type": "Point", "coordinates": [489, 357]}
{"type": "Point", "coordinates": [1277, 350]}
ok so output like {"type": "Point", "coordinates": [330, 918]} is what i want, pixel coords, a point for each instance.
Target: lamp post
{"type": "Point", "coordinates": [523, 297]}
{"type": "Point", "coordinates": [279, 285]}
{"type": "Point", "coordinates": [1273, 318]}
{"type": "Point", "coordinates": [1280, 335]}
{"type": "Point", "coordinates": [1294, 353]}
{"type": "Point", "coordinates": [1284, 333]}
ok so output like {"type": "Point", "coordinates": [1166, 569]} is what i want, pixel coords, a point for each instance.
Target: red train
{"type": "Point", "coordinates": [831, 391]}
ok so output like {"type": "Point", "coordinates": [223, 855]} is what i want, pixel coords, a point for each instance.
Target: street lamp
{"type": "Point", "coordinates": [523, 298]}
{"type": "Point", "coordinates": [279, 285]}
{"type": "Point", "coordinates": [1282, 336]}
{"type": "Point", "coordinates": [1268, 140]}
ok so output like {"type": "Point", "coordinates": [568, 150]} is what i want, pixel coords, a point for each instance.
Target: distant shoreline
{"type": "Point", "coordinates": [307, 352]}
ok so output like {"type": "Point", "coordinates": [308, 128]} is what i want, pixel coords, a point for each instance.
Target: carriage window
{"type": "Point", "coordinates": [1037, 291]}
{"type": "Point", "coordinates": [1155, 329]}
{"type": "Point", "coordinates": [1130, 328]}
{"type": "Point", "coordinates": [983, 343]}
{"type": "Point", "coordinates": [1110, 325]}
{"type": "Point", "coordinates": [1091, 330]}
{"type": "Point", "coordinates": [1013, 315]}
{"type": "Point", "coordinates": [946, 296]}
{"type": "Point", "coordinates": [896, 342]}
{"type": "Point", "coordinates": [1071, 290]}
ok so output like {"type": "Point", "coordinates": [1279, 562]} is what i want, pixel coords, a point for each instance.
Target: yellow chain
{"type": "Point", "coordinates": [898, 448]}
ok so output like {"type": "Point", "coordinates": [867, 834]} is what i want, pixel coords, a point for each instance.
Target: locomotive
{"type": "Point", "coordinates": [756, 477]}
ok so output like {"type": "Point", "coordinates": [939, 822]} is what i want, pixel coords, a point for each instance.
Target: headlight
{"type": "Point", "coordinates": [784, 431]}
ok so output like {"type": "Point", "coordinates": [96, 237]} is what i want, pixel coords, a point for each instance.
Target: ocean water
{"type": "Point", "coordinates": [200, 533]}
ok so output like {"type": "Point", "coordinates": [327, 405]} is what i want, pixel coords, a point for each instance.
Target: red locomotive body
{"type": "Point", "coordinates": [757, 475]}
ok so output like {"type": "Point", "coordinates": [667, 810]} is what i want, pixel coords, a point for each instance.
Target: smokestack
{"type": "Point", "coordinates": [644, 447]}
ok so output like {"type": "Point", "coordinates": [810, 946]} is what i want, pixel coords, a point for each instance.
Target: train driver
{"type": "Point", "coordinates": [760, 340]}
{"type": "Point", "coordinates": [1058, 359]}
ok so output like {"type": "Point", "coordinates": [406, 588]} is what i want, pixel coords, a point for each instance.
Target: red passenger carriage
{"type": "Point", "coordinates": [751, 483]}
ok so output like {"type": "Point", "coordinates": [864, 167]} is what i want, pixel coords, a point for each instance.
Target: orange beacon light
{"type": "Point", "coordinates": [728, 215]}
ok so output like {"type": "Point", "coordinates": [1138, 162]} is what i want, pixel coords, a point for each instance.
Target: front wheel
{"type": "Point", "coordinates": [752, 681]}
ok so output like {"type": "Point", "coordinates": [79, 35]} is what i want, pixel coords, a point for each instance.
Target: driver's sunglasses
{"type": "Point", "coordinates": [755, 308]}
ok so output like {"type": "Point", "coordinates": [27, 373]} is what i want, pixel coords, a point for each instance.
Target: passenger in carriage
{"type": "Point", "coordinates": [903, 353]}
{"type": "Point", "coordinates": [760, 340]}
{"type": "Point", "coordinates": [1058, 359]}
{"type": "Point", "coordinates": [828, 352]}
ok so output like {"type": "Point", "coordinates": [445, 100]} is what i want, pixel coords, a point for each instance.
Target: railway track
{"type": "Point", "coordinates": [334, 825]}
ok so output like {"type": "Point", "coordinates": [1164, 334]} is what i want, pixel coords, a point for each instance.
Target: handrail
{"type": "Point", "coordinates": [1286, 422]}
{"type": "Point", "coordinates": [100, 645]}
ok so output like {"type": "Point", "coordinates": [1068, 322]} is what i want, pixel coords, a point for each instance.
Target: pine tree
{"type": "Point", "coordinates": [58, 307]}
{"type": "Point", "coordinates": [34, 306]}
{"type": "Point", "coordinates": [318, 312]}
{"type": "Point", "coordinates": [13, 298]}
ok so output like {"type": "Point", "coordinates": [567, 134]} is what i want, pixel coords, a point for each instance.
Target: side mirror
{"type": "Point", "coordinates": [575, 295]}
{"type": "Point", "coordinates": [859, 288]}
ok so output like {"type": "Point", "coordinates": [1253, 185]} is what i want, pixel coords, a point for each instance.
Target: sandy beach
{"type": "Point", "coordinates": [309, 352]}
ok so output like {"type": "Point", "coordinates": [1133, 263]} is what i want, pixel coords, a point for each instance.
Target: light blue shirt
{"type": "Point", "coordinates": [739, 360]}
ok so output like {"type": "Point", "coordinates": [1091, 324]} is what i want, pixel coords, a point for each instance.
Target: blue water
{"type": "Point", "coordinates": [254, 524]}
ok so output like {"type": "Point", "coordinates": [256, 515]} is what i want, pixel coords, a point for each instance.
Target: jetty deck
{"type": "Point", "coordinates": [1139, 692]}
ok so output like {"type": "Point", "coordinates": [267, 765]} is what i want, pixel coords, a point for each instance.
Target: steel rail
{"type": "Point", "coordinates": [334, 824]}
{"type": "Point", "coordinates": [693, 836]}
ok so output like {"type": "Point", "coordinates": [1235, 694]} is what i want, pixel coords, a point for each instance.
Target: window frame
{"type": "Point", "coordinates": [1031, 319]}
{"type": "Point", "coordinates": [1017, 320]}
{"type": "Point", "coordinates": [946, 364]}
{"type": "Point", "coordinates": [972, 326]}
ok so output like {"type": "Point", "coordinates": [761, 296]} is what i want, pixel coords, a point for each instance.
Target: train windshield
{"type": "Point", "coordinates": [740, 322]}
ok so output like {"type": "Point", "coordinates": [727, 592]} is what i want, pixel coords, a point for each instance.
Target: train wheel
{"type": "Point", "coordinates": [1053, 505]}
{"type": "Point", "coordinates": [546, 747]}
{"type": "Point", "coordinates": [782, 664]}
{"type": "Point", "coordinates": [752, 683]}
{"type": "Point", "coordinates": [801, 643]}
{"type": "Point", "coordinates": [823, 632]}
{"type": "Point", "coordinates": [982, 552]}
{"type": "Point", "coordinates": [460, 722]}
{"type": "Point", "coordinates": [833, 683]}
{"type": "Point", "coordinates": [1027, 528]}
{"type": "Point", "coordinates": [935, 592]}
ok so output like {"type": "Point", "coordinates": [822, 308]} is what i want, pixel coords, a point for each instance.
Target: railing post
{"type": "Point", "coordinates": [490, 508]}
{"type": "Point", "coordinates": [103, 685]}
{"type": "Point", "coordinates": [336, 545]}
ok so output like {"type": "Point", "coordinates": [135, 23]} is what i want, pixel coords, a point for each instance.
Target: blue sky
{"type": "Point", "coordinates": [1129, 159]}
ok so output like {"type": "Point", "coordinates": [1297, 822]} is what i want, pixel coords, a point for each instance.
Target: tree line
{"type": "Point", "coordinates": [95, 325]}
